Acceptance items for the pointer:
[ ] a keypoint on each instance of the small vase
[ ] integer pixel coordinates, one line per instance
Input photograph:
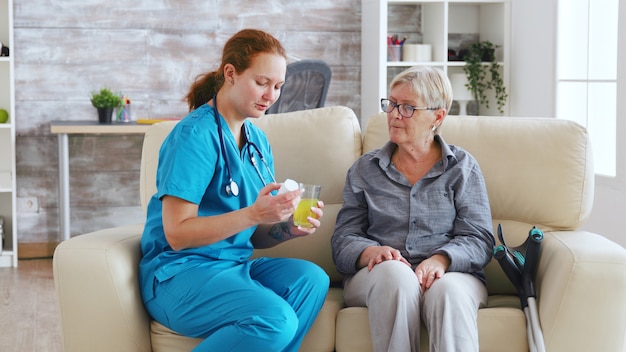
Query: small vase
(105, 115)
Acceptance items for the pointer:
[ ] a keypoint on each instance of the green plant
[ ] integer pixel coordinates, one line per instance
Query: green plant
(481, 76)
(4, 115)
(105, 99)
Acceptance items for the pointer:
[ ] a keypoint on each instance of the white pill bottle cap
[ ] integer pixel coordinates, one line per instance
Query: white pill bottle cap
(288, 186)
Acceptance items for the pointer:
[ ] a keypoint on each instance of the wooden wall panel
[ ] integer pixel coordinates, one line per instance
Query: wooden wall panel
(151, 50)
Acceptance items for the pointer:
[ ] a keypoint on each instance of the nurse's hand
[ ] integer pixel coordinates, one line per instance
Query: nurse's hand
(315, 222)
(269, 209)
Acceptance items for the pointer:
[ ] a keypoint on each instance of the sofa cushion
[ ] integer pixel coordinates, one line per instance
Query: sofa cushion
(499, 328)
(164, 339)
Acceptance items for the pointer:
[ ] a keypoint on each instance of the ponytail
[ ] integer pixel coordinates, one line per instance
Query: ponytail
(204, 88)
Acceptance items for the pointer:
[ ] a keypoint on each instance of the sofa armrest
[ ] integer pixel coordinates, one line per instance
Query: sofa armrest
(95, 277)
(581, 282)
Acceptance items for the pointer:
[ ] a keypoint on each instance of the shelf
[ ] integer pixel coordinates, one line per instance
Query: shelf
(443, 24)
(409, 2)
(413, 63)
(6, 184)
(432, 63)
(8, 211)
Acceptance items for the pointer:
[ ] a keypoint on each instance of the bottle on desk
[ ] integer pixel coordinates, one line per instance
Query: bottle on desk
(124, 113)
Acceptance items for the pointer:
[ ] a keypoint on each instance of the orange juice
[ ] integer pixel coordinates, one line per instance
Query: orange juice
(303, 211)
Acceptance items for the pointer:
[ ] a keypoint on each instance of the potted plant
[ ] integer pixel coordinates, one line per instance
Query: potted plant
(105, 102)
(483, 73)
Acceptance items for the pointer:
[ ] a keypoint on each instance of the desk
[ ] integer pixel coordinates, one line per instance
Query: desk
(65, 128)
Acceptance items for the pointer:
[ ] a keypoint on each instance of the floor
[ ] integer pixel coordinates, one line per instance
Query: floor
(29, 313)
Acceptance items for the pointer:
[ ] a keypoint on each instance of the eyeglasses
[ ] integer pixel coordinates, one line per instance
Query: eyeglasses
(405, 110)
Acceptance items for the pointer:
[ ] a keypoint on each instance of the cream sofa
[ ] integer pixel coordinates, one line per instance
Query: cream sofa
(538, 172)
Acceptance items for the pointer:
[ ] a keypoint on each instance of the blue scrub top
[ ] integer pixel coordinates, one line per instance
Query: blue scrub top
(192, 167)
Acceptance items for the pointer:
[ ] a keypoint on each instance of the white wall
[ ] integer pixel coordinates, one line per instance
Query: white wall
(532, 92)
(609, 209)
(533, 52)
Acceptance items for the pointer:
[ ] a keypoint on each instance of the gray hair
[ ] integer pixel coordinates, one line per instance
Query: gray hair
(430, 83)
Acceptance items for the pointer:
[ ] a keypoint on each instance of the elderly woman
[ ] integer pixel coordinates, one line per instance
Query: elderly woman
(415, 230)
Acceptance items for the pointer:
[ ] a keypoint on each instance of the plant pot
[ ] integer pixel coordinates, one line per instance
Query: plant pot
(105, 115)
(489, 55)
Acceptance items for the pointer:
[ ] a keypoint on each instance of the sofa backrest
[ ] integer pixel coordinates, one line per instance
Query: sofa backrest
(314, 146)
(152, 141)
(538, 171)
(310, 146)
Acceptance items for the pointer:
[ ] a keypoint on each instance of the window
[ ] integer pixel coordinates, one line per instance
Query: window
(587, 73)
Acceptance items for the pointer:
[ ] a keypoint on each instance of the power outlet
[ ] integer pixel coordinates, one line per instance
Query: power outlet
(27, 205)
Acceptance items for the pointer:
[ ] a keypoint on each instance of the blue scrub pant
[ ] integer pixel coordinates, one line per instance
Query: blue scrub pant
(265, 304)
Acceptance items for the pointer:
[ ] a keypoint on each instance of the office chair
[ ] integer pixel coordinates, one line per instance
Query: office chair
(306, 87)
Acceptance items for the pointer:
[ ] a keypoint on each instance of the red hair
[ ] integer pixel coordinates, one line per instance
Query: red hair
(238, 51)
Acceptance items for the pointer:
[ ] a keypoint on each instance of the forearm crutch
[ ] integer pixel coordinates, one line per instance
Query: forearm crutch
(520, 266)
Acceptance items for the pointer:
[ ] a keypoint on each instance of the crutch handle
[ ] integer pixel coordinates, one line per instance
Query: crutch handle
(509, 267)
(533, 248)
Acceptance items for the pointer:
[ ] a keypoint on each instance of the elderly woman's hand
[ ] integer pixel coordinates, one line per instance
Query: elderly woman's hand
(431, 269)
(377, 254)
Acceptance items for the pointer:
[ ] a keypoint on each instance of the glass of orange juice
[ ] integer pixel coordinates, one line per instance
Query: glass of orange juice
(308, 199)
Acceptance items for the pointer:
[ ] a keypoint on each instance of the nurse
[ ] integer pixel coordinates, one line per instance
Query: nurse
(215, 203)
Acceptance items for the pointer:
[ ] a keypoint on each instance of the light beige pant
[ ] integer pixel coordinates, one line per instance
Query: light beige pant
(392, 294)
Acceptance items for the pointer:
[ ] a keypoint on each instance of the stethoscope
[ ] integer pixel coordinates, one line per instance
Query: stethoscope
(232, 188)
